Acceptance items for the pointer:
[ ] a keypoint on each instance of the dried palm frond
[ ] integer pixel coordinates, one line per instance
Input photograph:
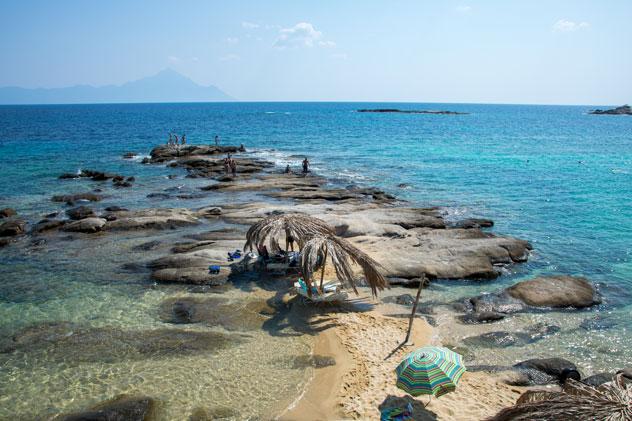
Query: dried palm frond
(577, 401)
(273, 228)
(342, 255)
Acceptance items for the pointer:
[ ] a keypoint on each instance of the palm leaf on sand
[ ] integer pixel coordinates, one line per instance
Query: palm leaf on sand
(276, 227)
(577, 402)
(342, 255)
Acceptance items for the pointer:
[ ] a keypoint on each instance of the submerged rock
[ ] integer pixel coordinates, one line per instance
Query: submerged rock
(503, 339)
(120, 408)
(75, 344)
(214, 311)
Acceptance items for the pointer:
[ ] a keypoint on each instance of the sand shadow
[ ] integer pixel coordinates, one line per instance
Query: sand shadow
(419, 412)
(297, 316)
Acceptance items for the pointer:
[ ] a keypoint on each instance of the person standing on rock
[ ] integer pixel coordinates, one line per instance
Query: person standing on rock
(233, 167)
(183, 141)
(305, 165)
(216, 140)
(227, 164)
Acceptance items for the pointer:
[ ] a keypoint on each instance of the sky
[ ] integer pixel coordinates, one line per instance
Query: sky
(477, 51)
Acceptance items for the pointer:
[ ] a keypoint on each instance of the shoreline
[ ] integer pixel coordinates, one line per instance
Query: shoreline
(369, 218)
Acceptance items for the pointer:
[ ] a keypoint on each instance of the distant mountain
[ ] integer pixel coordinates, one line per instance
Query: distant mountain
(166, 86)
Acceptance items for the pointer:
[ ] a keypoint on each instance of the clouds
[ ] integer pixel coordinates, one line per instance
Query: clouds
(565, 25)
(250, 25)
(303, 34)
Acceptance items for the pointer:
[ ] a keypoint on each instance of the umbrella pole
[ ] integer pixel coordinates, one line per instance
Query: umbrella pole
(322, 274)
(412, 314)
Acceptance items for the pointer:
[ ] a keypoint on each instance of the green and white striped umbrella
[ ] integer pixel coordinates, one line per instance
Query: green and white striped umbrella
(430, 370)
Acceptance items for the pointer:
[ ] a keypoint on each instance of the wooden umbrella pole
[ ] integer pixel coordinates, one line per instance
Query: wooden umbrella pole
(412, 315)
(322, 274)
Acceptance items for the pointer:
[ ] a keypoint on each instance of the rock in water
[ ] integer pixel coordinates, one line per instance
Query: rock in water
(7, 212)
(12, 228)
(72, 198)
(80, 212)
(556, 291)
(87, 225)
(623, 110)
(121, 408)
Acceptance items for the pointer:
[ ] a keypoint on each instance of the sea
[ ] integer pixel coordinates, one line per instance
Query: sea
(556, 176)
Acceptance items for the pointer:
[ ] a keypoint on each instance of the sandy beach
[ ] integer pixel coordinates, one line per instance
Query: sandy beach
(365, 348)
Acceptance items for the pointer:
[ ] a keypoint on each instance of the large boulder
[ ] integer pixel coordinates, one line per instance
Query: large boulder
(556, 291)
(120, 408)
(7, 212)
(87, 225)
(12, 228)
(80, 212)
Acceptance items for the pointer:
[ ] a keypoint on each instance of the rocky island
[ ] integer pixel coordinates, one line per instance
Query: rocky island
(623, 110)
(396, 110)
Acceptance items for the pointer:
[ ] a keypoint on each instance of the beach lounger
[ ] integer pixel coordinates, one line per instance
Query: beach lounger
(331, 292)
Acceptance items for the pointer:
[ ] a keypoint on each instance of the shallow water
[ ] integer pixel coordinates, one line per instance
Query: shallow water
(555, 176)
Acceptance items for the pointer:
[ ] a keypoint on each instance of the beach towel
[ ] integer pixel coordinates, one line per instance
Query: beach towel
(397, 414)
(214, 269)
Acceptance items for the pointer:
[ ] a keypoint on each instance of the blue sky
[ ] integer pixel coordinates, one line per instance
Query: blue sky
(544, 52)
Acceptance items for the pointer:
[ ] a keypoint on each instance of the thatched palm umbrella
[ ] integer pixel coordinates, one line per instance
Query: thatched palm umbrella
(298, 226)
(577, 402)
(342, 254)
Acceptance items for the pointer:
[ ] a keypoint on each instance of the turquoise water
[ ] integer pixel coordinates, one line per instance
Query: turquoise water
(553, 175)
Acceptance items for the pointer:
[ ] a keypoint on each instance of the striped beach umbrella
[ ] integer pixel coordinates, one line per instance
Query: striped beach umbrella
(430, 370)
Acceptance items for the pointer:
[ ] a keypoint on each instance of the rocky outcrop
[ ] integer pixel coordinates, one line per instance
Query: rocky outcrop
(80, 212)
(396, 110)
(474, 223)
(48, 224)
(167, 153)
(87, 225)
(623, 110)
(543, 292)
(122, 407)
(556, 292)
(77, 197)
(205, 167)
(158, 219)
(12, 228)
(443, 253)
(7, 212)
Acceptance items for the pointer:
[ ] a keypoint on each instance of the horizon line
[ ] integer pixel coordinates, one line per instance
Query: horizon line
(306, 102)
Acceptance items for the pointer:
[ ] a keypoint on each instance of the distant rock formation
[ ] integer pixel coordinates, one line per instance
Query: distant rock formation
(395, 110)
(623, 110)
